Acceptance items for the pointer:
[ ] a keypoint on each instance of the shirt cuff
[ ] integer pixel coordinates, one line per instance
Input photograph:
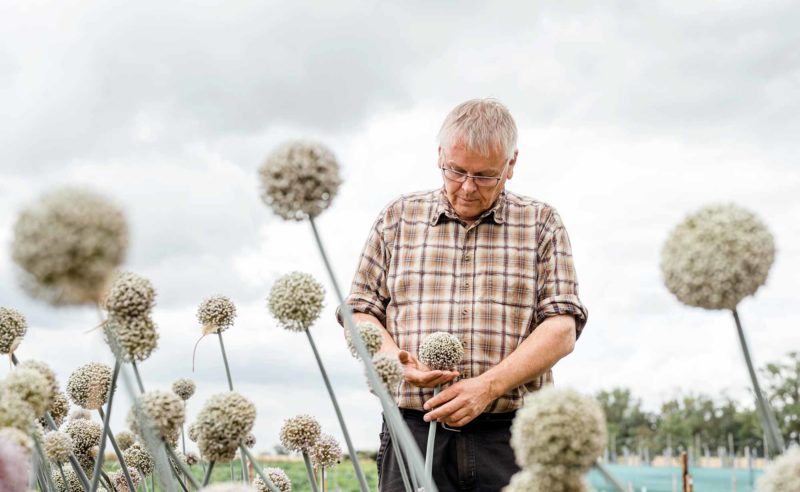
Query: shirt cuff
(564, 304)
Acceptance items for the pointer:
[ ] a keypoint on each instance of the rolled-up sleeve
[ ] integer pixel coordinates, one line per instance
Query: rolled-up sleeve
(368, 292)
(557, 282)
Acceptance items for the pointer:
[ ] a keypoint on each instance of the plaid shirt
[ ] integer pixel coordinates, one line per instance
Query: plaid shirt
(490, 284)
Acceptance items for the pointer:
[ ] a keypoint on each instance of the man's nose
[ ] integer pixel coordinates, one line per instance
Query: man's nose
(469, 185)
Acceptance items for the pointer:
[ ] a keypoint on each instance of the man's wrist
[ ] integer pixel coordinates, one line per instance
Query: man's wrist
(494, 386)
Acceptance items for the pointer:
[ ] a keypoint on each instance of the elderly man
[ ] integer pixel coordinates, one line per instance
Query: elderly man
(489, 266)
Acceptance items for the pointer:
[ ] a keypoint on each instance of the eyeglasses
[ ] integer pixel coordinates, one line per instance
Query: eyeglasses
(480, 181)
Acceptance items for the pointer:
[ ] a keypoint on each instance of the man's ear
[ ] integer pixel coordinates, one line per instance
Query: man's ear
(511, 164)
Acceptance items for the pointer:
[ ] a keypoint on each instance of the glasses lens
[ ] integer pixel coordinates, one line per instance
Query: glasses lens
(485, 181)
(454, 175)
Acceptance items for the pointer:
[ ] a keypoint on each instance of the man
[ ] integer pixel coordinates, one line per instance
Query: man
(489, 266)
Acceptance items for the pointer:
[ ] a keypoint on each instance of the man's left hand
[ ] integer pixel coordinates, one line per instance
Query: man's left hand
(459, 404)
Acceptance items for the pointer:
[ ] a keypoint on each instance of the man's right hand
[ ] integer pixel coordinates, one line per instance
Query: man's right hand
(420, 375)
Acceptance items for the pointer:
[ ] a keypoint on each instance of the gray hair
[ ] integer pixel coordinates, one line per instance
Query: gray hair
(482, 125)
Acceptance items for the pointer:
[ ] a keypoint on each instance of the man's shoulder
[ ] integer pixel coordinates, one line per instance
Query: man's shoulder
(531, 207)
(413, 203)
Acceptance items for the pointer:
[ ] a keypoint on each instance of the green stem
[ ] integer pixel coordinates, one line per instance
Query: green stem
(774, 436)
(183, 468)
(245, 477)
(143, 479)
(138, 376)
(98, 462)
(310, 470)
(350, 448)
(610, 478)
(118, 452)
(431, 440)
(401, 463)
(259, 471)
(208, 472)
(405, 439)
(225, 360)
(63, 476)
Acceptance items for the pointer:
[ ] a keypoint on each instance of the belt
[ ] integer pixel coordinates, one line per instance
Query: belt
(481, 421)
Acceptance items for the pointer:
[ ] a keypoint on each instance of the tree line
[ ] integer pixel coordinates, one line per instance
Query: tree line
(704, 424)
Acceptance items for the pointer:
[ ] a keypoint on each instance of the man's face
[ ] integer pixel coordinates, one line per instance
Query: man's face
(468, 199)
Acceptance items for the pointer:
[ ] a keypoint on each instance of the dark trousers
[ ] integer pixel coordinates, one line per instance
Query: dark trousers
(478, 458)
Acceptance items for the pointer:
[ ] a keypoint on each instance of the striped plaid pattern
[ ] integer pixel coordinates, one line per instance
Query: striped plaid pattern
(490, 284)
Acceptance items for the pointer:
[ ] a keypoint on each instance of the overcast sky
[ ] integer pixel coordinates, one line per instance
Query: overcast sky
(631, 115)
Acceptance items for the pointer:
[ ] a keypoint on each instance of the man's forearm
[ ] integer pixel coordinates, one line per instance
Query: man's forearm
(388, 346)
(553, 339)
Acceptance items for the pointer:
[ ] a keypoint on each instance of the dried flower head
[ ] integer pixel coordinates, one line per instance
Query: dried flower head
(192, 458)
(130, 296)
(45, 371)
(279, 479)
(783, 474)
(326, 452)
(85, 435)
(125, 439)
(559, 427)
(121, 484)
(249, 440)
(10, 434)
(162, 411)
(217, 313)
(12, 329)
(538, 478)
(717, 256)
(184, 388)
(299, 180)
(32, 387)
(138, 457)
(14, 412)
(72, 484)
(68, 244)
(371, 335)
(389, 370)
(223, 422)
(441, 351)
(300, 433)
(191, 432)
(295, 301)
(15, 465)
(58, 446)
(131, 339)
(88, 385)
(80, 414)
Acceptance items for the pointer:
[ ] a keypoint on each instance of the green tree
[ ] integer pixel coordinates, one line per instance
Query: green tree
(783, 391)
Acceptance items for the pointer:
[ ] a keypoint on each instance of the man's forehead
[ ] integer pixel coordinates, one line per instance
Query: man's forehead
(458, 155)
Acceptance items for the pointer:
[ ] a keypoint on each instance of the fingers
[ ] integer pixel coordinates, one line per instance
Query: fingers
(446, 377)
(422, 379)
(443, 412)
(462, 421)
(457, 416)
(403, 356)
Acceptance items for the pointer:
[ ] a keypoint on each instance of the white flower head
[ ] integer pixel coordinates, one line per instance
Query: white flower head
(222, 424)
(131, 339)
(30, 385)
(12, 329)
(299, 180)
(717, 256)
(389, 370)
(326, 452)
(89, 384)
(130, 296)
(441, 351)
(300, 433)
(279, 479)
(184, 388)
(58, 446)
(558, 427)
(371, 335)
(296, 301)
(68, 244)
(162, 411)
(783, 474)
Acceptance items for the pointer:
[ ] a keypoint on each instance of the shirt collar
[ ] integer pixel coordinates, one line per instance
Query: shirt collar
(444, 209)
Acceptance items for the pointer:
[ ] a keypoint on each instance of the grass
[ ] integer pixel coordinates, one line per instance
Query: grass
(340, 478)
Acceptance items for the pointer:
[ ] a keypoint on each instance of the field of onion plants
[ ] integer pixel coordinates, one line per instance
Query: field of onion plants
(70, 246)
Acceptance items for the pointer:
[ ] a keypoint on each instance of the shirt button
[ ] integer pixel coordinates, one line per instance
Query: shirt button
(466, 284)
(467, 257)
(465, 311)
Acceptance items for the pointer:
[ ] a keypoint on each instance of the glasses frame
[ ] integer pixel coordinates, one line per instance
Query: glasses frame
(475, 179)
